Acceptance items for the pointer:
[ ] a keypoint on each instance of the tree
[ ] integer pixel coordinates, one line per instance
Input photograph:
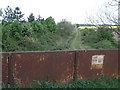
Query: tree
(110, 15)
(18, 14)
(36, 26)
(51, 25)
(1, 12)
(0, 15)
(16, 29)
(31, 18)
(119, 13)
(116, 8)
(40, 19)
(12, 15)
(26, 29)
(8, 17)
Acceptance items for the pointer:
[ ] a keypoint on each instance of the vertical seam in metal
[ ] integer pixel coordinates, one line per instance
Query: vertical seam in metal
(10, 70)
(75, 66)
(8, 58)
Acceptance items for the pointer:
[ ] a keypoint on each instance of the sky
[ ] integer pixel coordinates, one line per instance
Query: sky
(75, 11)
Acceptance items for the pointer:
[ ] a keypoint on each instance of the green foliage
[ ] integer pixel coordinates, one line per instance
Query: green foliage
(33, 36)
(104, 34)
(40, 34)
(77, 25)
(16, 30)
(99, 39)
(48, 24)
(65, 28)
(89, 36)
(98, 83)
(37, 27)
(26, 30)
(104, 44)
(51, 25)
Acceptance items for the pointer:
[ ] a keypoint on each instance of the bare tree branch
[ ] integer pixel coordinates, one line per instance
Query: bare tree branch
(109, 15)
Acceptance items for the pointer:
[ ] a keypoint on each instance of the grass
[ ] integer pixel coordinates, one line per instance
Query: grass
(98, 83)
(77, 43)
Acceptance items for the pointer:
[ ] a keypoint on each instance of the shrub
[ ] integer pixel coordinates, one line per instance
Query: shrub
(36, 26)
(50, 23)
(65, 28)
(16, 29)
(100, 39)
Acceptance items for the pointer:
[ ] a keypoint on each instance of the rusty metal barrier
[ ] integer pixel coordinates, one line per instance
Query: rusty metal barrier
(96, 63)
(45, 66)
(5, 68)
(23, 68)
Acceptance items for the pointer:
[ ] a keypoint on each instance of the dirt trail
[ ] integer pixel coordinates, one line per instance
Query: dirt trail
(76, 42)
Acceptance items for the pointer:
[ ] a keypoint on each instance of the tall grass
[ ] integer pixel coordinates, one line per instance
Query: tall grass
(98, 83)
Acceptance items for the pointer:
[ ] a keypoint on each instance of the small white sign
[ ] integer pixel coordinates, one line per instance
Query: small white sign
(97, 59)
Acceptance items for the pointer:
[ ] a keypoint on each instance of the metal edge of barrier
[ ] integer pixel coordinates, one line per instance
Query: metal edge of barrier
(119, 64)
(0, 71)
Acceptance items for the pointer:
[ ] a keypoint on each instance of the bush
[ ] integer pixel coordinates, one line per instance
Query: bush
(104, 34)
(26, 30)
(16, 29)
(51, 25)
(65, 28)
(100, 39)
(104, 44)
(98, 83)
(36, 26)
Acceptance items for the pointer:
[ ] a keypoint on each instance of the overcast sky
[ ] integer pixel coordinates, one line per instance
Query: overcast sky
(75, 11)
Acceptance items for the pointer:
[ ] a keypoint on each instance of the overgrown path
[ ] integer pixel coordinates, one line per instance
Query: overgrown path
(76, 43)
